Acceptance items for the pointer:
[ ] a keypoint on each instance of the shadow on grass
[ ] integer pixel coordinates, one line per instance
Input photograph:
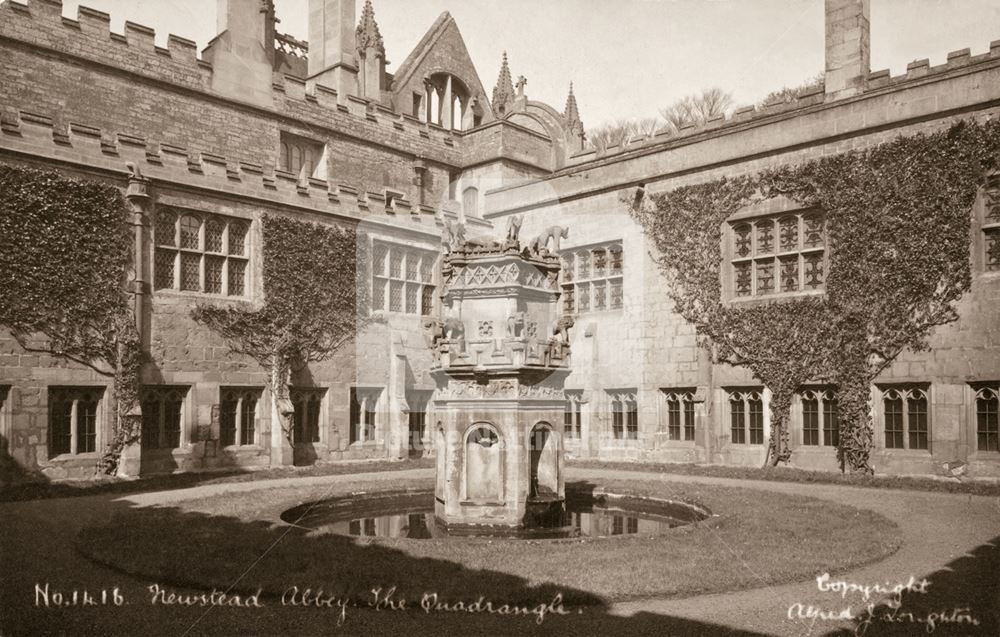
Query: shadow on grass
(196, 551)
(962, 598)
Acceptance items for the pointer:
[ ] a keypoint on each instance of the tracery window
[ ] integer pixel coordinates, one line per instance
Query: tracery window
(820, 421)
(746, 417)
(624, 414)
(73, 419)
(402, 279)
(905, 417)
(238, 416)
(680, 413)
(572, 414)
(162, 409)
(592, 278)
(200, 252)
(779, 254)
(307, 403)
(987, 424)
(989, 224)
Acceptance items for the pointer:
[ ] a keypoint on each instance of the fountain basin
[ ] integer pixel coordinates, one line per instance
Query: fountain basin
(585, 513)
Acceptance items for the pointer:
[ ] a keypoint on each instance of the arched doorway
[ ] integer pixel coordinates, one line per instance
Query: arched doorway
(543, 458)
(483, 463)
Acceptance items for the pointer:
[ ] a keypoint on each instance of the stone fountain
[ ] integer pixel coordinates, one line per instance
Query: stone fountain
(501, 354)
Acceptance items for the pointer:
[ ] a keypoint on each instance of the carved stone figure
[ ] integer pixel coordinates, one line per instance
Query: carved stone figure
(560, 329)
(515, 325)
(474, 244)
(452, 236)
(513, 228)
(447, 238)
(541, 242)
(433, 332)
(454, 329)
(133, 170)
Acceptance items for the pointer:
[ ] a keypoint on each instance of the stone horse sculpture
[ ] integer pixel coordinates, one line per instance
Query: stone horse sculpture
(541, 242)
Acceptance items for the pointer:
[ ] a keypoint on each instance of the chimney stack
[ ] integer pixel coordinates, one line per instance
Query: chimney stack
(332, 48)
(848, 47)
(242, 53)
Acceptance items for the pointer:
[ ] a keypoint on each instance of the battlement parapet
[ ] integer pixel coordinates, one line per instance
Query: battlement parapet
(88, 37)
(41, 137)
(809, 96)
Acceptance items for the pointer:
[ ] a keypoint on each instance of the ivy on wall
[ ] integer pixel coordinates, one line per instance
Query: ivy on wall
(65, 257)
(315, 299)
(898, 233)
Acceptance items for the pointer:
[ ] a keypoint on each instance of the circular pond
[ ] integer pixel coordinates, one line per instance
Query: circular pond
(411, 515)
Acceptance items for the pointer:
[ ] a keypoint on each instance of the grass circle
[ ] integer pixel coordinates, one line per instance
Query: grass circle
(237, 540)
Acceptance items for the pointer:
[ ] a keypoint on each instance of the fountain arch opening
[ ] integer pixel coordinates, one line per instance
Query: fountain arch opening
(483, 463)
(543, 458)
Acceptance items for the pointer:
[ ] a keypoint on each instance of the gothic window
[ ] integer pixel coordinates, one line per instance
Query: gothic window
(300, 156)
(990, 224)
(73, 419)
(746, 417)
(680, 413)
(162, 409)
(306, 403)
(200, 252)
(904, 411)
(363, 410)
(572, 414)
(779, 254)
(820, 424)
(402, 279)
(624, 415)
(987, 424)
(238, 416)
(992, 243)
(592, 279)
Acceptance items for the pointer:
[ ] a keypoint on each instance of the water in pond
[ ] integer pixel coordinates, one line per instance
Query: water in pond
(412, 516)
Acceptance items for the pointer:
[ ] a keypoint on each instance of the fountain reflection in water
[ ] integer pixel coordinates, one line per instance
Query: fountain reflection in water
(412, 517)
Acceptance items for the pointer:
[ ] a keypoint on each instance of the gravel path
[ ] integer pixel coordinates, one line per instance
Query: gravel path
(951, 540)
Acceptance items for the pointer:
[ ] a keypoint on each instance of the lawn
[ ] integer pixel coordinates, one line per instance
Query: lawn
(795, 474)
(759, 538)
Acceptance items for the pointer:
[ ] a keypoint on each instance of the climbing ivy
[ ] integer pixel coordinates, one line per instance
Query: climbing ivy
(315, 299)
(65, 259)
(897, 219)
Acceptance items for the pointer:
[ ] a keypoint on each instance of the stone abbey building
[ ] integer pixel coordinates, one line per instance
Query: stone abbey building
(261, 123)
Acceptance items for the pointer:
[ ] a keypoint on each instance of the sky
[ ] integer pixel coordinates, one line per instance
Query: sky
(626, 58)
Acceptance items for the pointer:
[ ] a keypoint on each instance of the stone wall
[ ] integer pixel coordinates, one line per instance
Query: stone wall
(649, 347)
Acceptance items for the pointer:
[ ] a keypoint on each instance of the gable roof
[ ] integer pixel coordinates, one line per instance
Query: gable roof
(402, 74)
